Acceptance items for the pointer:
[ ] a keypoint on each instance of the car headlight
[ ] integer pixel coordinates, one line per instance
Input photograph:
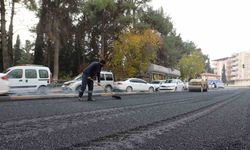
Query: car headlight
(67, 83)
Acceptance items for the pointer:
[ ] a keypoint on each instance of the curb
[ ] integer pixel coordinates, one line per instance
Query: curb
(62, 96)
(33, 97)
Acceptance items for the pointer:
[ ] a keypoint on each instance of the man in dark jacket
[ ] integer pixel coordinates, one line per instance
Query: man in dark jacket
(88, 75)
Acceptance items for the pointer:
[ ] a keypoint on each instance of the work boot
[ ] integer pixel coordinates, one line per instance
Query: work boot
(80, 96)
(90, 97)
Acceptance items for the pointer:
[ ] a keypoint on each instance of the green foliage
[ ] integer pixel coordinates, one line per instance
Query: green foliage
(26, 55)
(92, 29)
(223, 75)
(30, 4)
(192, 65)
(207, 64)
(133, 52)
(156, 20)
(172, 46)
(17, 51)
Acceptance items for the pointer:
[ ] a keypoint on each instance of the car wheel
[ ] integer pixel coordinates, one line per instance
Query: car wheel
(151, 90)
(42, 90)
(175, 89)
(108, 88)
(129, 89)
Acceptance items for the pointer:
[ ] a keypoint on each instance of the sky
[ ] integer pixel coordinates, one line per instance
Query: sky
(23, 21)
(219, 27)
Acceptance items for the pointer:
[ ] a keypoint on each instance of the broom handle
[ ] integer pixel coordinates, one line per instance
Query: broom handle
(99, 85)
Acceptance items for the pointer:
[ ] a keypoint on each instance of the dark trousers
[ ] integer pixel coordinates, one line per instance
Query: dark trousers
(85, 82)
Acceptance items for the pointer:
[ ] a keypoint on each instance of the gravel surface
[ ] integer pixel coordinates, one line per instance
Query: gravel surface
(216, 119)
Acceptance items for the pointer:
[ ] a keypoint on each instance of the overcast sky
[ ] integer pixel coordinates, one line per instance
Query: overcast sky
(218, 27)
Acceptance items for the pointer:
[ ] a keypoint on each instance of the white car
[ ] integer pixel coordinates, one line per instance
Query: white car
(172, 85)
(133, 84)
(29, 78)
(106, 78)
(4, 84)
(220, 85)
(157, 83)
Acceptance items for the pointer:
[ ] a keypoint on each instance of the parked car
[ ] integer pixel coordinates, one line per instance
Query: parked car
(185, 85)
(215, 84)
(220, 85)
(198, 85)
(4, 84)
(172, 85)
(107, 83)
(157, 83)
(29, 78)
(134, 84)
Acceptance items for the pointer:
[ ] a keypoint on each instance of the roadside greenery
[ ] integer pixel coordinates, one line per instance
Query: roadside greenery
(133, 52)
(223, 74)
(129, 34)
(192, 65)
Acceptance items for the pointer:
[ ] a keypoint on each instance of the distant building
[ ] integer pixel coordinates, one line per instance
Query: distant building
(218, 66)
(237, 68)
(156, 72)
(210, 76)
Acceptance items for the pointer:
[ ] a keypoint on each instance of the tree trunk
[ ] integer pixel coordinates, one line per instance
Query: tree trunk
(10, 37)
(56, 59)
(38, 56)
(56, 39)
(6, 60)
(1, 52)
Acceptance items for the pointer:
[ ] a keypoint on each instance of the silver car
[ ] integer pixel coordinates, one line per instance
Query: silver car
(107, 82)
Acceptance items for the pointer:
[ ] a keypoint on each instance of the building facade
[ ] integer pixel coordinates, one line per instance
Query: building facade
(156, 72)
(237, 68)
(218, 66)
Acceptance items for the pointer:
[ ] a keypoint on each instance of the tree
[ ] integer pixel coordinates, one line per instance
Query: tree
(10, 34)
(208, 68)
(192, 65)
(17, 51)
(223, 74)
(54, 31)
(26, 55)
(133, 52)
(172, 46)
(5, 54)
(104, 20)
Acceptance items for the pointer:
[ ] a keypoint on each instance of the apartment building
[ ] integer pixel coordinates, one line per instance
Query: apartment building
(218, 66)
(237, 68)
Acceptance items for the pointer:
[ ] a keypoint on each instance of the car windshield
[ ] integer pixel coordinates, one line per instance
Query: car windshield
(79, 77)
(125, 79)
(155, 82)
(169, 81)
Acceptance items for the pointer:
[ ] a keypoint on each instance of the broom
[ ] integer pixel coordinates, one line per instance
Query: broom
(110, 94)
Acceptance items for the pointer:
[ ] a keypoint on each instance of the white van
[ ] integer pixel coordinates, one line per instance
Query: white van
(29, 78)
(107, 83)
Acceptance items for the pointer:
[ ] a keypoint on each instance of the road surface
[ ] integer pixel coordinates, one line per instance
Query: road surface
(214, 120)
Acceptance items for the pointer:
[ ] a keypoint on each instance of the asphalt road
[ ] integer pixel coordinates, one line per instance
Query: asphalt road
(214, 120)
